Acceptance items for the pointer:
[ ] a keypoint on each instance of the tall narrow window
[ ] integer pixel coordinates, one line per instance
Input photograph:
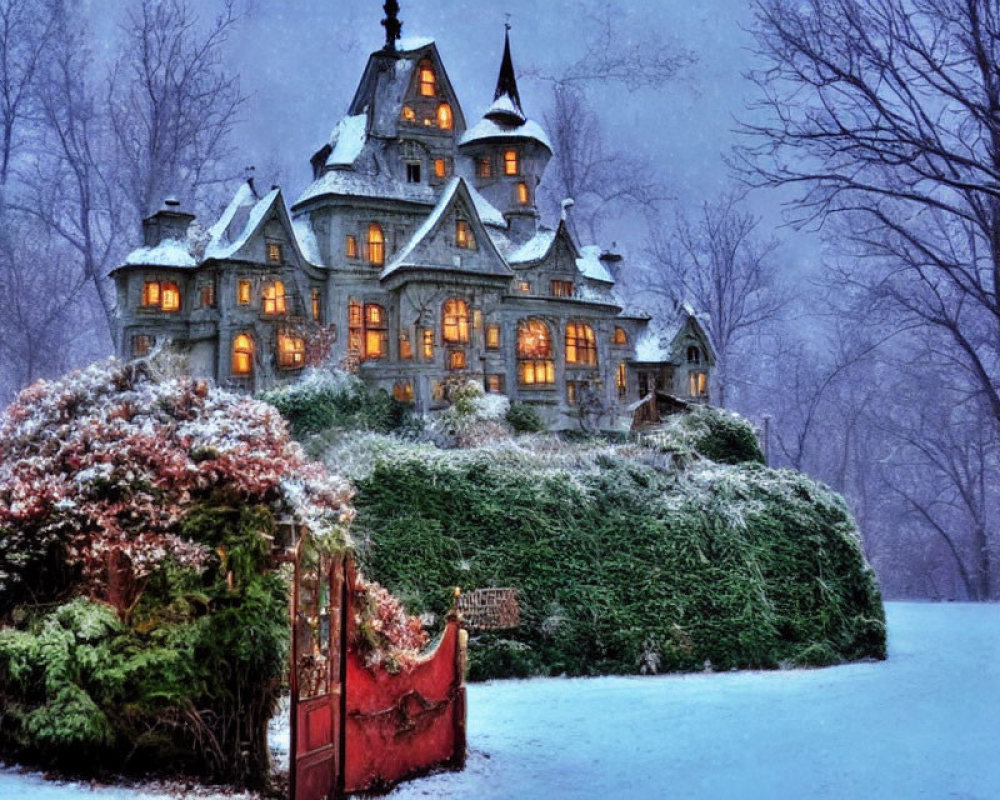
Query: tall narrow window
(207, 295)
(317, 309)
(570, 393)
(274, 298)
(492, 337)
(274, 253)
(351, 246)
(243, 293)
(428, 82)
(354, 327)
(440, 168)
(464, 237)
(455, 322)
(170, 296)
(151, 293)
(405, 347)
(376, 332)
(484, 167)
(413, 172)
(428, 345)
(534, 353)
(562, 288)
(523, 194)
(444, 117)
(581, 345)
(291, 351)
(242, 355)
(621, 381)
(376, 245)
(698, 384)
(510, 163)
(620, 336)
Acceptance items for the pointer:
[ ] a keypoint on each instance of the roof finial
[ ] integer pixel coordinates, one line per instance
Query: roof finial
(507, 81)
(392, 25)
(507, 23)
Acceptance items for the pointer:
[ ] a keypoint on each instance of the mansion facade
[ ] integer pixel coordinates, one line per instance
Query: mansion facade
(417, 255)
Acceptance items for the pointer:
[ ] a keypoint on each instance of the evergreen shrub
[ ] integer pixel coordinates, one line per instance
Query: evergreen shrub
(524, 418)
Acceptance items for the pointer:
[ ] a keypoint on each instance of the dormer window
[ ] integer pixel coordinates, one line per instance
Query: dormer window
(464, 237)
(484, 167)
(523, 194)
(510, 163)
(409, 115)
(413, 172)
(428, 82)
(273, 253)
(444, 117)
(376, 245)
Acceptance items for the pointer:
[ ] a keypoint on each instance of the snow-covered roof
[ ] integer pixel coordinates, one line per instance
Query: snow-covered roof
(487, 212)
(656, 344)
(306, 237)
(490, 129)
(535, 249)
(408, 44)
(168, 253)
(425, 229)
(228, 235)
(591, 266)
(361, 184)
(347, 141)
(505, 106)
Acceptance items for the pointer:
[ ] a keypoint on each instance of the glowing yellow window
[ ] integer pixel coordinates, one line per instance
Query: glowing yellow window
(376, 245)
(620, 336)
(409, 114)
(429, 345)
(274, 253)
(354, 327)
(581, 344)
(455, 322)
(698, 384)
(534, 353)
(291, 351)
(402, 392)
(440, 168)
(376, 333)
(151, 293)
(428, 82)
(243, 293)
(316, 304)
(351, 246)
(523, 286)
(444, 118)
(510, 163)
(274, 298)
(405, 347)
(562, 288)
(170, 296)
(621, 380)
(492, 337)
(456, 359)
(523, 195)
(242, 355)
(494, 384)
(464, 237)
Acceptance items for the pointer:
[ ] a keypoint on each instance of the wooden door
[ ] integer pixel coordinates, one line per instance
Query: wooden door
(317, 680)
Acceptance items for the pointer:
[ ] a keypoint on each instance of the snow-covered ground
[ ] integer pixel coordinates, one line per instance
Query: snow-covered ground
(924, 724)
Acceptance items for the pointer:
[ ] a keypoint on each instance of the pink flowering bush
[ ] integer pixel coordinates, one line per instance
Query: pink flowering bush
(391, 638)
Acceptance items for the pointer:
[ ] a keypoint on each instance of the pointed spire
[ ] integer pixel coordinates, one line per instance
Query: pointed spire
(506, 100)
(393, 27)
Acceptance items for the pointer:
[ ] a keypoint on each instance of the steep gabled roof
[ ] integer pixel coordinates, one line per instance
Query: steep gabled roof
(420, 253)
(659, 342)
(539, 246)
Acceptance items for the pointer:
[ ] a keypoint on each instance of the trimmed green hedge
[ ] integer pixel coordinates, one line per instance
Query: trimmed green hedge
(627, 568)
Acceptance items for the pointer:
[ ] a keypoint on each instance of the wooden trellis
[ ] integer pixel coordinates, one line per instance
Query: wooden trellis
(490, 609)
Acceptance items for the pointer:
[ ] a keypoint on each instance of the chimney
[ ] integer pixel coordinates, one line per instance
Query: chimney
(169, 222)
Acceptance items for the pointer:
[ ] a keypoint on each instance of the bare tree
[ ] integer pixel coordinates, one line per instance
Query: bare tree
(886, 111)
(719, 262)
(172, 104)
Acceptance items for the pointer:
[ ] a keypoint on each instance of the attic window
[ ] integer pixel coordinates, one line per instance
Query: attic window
(243, 293)
(464, 237)
(376, 245)
(291, 351)
(562, 288)
(444, 118)
(455, 321)
(413, 172)
(428, 82)
(351, 246)
(484, 167)
(274, 298)
(693, 356)
(523, 194)
(440, 168)
(242, 355)
(510, 163)
(273, 253)
(620, 336)
(581, 345)
(409, 114)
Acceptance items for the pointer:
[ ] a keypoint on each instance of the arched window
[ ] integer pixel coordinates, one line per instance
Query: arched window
(376, 245)
(444, 117)
(581, 345)
(523, 194)
(510, 165)
(274, 298)
(694, 355)
(428, 81)
(291, 351)
(464, 237)
(243, 355)
(455, 322)
(620, 336)
(534, 353)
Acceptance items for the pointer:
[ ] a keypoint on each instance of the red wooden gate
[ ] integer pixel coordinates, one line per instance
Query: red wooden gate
(353, 727)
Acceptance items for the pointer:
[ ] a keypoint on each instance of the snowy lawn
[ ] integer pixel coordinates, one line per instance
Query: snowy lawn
(925, 724)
